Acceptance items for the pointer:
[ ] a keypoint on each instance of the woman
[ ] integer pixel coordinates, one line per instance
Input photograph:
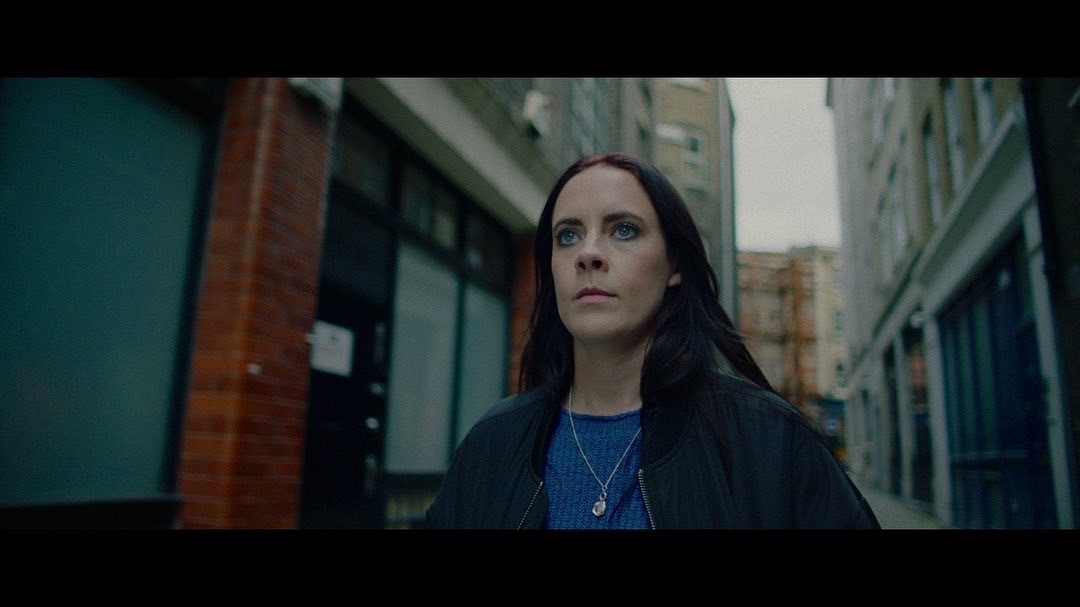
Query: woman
(642, 407)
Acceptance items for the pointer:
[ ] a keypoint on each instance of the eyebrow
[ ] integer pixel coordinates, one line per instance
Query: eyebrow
(609, 218)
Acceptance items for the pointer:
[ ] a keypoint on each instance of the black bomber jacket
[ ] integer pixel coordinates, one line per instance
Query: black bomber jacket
(770, 468)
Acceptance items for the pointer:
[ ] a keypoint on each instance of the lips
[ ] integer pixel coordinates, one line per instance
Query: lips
(592, 292)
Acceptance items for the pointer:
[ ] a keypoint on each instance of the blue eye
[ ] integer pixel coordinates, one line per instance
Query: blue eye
(625, 231)
(565, 237)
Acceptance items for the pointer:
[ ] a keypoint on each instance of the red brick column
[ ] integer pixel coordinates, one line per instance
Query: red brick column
(521, 305)
(247, 401)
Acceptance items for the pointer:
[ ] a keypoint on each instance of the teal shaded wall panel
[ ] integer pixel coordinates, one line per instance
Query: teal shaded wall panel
(99, 191)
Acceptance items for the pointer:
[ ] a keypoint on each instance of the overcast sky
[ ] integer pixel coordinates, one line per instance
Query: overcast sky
(785, 164)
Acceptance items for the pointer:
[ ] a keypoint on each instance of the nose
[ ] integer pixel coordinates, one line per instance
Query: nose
(591, 258)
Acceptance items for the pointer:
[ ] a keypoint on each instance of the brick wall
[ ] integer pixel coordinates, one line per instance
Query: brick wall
(521, 305)
(242, 448)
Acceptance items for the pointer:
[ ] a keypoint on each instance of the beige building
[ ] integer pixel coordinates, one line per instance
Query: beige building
(693, 129)
(791, 314)
(956, 395)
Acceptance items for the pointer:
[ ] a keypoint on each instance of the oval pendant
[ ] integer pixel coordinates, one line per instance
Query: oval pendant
(599, 507)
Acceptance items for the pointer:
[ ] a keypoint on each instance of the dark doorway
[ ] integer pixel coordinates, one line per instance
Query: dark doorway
(893, 416)
(922, 461)
(1000, 456)
(347, 395)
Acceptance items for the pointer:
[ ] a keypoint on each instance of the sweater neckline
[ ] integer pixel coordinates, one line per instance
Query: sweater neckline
(602, 418)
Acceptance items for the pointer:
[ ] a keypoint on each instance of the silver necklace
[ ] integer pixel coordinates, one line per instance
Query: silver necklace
(600, 506)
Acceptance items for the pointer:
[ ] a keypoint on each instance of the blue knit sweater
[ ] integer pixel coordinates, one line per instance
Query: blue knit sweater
(572, 490)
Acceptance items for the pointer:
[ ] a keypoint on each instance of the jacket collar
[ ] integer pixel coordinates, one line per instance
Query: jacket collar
(663, 425)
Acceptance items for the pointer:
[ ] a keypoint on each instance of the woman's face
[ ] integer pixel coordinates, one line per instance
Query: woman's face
(609, 260)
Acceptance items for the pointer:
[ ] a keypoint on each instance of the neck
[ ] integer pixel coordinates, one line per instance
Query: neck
(607, 381)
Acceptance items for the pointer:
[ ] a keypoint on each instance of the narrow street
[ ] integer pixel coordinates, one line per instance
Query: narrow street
(896, 513)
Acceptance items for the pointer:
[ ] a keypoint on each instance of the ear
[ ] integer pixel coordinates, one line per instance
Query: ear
(675, 279)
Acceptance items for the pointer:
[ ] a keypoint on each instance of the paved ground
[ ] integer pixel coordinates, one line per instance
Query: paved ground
(896, 513)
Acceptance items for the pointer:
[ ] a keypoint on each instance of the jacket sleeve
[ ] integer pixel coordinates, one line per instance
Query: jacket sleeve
(444, 512)
(464, 497)
(824, 495)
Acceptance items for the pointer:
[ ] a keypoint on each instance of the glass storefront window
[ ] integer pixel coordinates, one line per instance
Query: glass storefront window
(449, 341)
(484, 354)
(422, 365)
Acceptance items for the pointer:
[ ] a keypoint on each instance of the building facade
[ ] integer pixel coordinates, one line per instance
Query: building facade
(763, 311)
(1052, 107)
(269, 302)
(956, 389)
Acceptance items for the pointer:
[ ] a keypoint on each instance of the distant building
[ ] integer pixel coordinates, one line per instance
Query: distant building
(764, 312)
(957, 394)
(792, 315)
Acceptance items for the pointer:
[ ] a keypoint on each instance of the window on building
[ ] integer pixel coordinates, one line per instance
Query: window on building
(589, 115)
(885, 242)
(361, 160)
(889, 85)
(984, 108)
(694, 150)
(695, 161)
(933, 172)
(953, 134)
(428, 207)
(877, 111)
(888, 94)
(671, 133)
(485, 249)
(510, 92)
(644, 141)
(899, 219)
(693, 83)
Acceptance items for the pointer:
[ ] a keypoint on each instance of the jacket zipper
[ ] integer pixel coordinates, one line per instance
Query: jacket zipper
(531, 502)
(645, 496)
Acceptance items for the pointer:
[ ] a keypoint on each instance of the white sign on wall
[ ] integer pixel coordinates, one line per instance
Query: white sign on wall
(331, 349)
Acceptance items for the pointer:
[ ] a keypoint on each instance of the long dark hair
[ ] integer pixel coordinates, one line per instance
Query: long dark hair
(691, 327)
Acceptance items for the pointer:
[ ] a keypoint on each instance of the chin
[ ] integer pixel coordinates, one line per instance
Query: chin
(607, 336)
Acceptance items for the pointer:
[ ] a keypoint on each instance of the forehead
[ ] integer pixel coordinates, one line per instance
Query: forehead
(600, 190)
